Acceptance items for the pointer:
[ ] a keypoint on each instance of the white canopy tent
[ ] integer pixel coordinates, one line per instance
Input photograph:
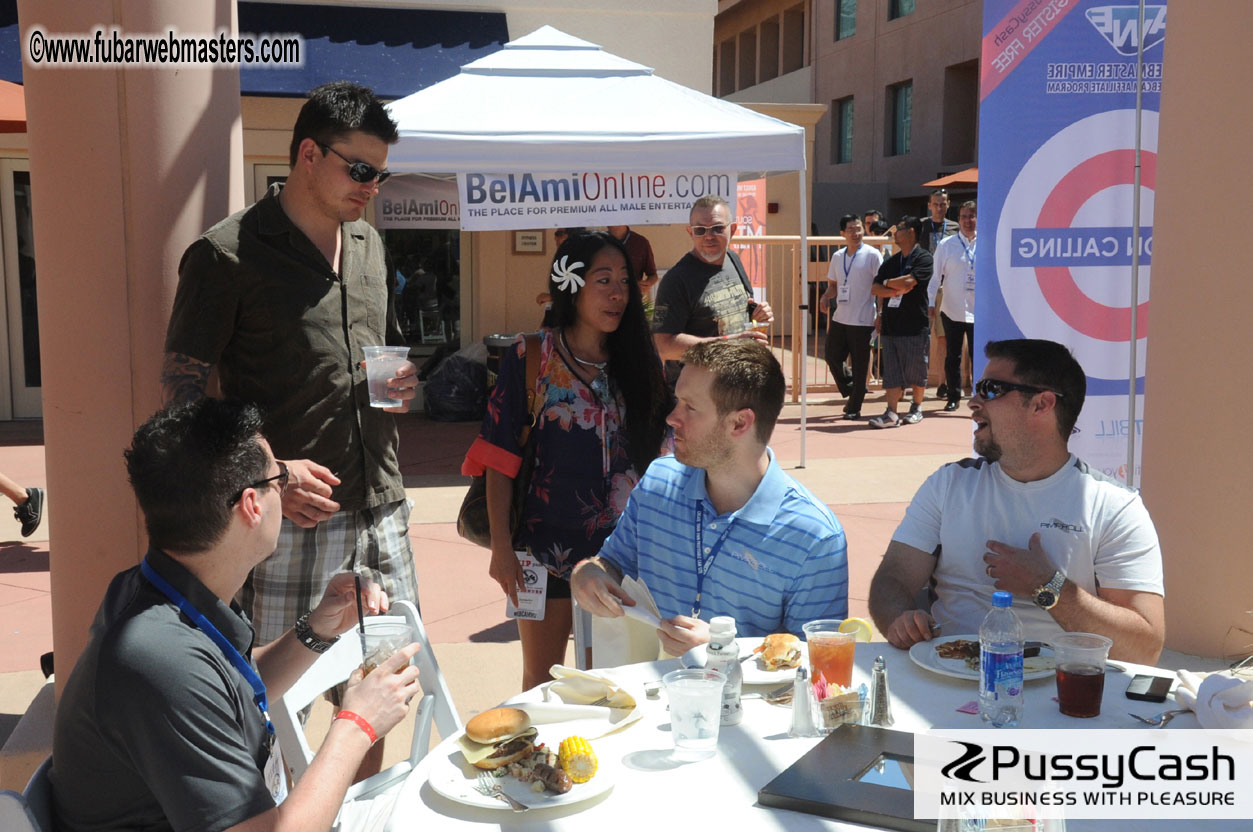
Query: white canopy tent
(549, 102)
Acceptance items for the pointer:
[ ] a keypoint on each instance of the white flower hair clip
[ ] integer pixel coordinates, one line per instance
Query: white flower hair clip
(564, 276)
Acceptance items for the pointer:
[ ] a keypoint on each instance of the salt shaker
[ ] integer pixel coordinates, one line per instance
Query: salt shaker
(880, 700)
(803, 706)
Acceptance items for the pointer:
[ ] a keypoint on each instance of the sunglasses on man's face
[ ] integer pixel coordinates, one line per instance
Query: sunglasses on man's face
(702, 230)
(359, 171)
(991, 388)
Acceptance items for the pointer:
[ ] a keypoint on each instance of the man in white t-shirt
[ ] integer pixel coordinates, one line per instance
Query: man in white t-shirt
(955, 272)
(1077, 549)
(849, 278)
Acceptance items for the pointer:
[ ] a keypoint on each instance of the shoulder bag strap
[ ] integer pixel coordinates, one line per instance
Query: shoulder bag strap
(533, 401)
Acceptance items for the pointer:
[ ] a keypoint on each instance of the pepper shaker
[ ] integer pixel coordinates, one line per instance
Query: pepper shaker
(880, 699)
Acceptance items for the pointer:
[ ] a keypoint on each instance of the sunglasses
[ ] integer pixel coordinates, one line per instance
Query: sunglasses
(281, 478)
(359, 171)
(702, 230)
(991, 388)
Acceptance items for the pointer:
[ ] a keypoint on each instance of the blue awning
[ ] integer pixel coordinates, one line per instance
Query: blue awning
(393, 51)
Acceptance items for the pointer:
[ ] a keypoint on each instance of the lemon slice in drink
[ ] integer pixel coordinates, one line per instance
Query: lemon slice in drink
(859, 627)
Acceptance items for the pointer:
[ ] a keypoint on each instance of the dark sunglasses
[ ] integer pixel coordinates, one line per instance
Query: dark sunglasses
(991, 388)
(359, 171)
(702, 230)
(281, 478)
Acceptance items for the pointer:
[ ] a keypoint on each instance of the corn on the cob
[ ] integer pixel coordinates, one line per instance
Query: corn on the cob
(577, 759)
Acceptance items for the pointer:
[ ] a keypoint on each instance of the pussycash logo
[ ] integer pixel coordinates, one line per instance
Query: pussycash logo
(1118, 24)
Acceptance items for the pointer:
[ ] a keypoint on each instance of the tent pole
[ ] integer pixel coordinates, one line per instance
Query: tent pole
(804, 307)
(1135, 259)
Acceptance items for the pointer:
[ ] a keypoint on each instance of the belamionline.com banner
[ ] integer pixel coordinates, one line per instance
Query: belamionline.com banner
(502, 201)
(1091, 774)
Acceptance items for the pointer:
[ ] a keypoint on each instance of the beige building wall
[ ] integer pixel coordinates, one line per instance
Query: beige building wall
(1196, 462)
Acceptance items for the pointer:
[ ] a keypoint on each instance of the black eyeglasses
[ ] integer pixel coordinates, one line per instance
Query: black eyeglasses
(359, 171)
(281, 478)
(992, 388)
(702, 230)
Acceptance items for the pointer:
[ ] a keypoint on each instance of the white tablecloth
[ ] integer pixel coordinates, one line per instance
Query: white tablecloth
(720, 794)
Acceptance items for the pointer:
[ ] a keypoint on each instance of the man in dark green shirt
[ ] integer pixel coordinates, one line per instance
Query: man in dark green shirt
(279, 299)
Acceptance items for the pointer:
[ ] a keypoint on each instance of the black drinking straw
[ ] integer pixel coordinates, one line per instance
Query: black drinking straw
(360, 614)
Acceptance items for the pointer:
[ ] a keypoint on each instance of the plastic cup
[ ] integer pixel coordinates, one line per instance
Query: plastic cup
(382, 640)
(695, 711)
(1080, 661)
(381, 364)
(830, 652)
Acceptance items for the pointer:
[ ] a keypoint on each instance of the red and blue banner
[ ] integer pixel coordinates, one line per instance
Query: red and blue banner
(1056, 180)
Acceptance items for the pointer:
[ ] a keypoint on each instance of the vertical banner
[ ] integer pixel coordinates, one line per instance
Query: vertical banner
(750, 216)
(1056, 181)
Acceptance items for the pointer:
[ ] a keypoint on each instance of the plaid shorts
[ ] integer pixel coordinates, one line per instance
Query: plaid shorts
(905, 359)
(292, 580)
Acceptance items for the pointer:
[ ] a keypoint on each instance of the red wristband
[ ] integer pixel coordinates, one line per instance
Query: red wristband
(361, 723)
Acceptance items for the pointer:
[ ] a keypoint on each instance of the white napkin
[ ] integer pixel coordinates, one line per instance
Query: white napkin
(1220, 700)
(570, 695)
(632, 638)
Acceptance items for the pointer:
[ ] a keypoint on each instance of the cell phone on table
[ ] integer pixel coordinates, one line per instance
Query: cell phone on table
(1149, 688)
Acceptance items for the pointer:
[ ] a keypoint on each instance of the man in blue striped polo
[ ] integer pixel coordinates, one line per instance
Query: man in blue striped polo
(719, 529)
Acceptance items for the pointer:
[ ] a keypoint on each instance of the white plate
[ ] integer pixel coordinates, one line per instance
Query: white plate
(924, 655)
(454, 778)
(755, 672)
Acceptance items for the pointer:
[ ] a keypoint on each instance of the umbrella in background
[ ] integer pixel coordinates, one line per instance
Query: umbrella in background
(12, 108)
(967, 178)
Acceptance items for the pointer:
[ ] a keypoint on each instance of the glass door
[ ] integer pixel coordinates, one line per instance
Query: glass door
(21, 397)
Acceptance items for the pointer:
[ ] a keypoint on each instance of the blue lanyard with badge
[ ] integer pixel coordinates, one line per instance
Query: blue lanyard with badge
(842, 294)
(968, 254)
(894, 302)
(705, 555)
(274, 779)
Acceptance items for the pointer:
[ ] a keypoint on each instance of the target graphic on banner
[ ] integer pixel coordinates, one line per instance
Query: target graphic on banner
(1064, 241)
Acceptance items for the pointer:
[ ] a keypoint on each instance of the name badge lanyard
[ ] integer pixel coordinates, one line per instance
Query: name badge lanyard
(968, 252)
(228, 649)
(705, 557)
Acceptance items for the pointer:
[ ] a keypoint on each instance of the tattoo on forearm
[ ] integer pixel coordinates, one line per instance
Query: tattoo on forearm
(183, 378)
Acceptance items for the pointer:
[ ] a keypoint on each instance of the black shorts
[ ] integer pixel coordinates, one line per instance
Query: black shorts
(558, 587)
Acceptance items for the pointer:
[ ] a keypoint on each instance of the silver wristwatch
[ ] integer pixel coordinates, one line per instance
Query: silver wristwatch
(1045, 597)
(305, 635)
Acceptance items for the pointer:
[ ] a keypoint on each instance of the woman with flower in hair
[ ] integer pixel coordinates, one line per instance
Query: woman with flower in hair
(602, 421)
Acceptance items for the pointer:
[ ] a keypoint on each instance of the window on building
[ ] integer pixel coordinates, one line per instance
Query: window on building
(726, 67)
(959, 140)
(842, 131)
(899, 8)
(748, 59)
(768, 51)
(793, 46)
(900, 114)
(845, 19)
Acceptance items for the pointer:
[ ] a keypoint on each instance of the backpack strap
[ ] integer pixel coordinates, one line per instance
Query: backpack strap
(533, 401)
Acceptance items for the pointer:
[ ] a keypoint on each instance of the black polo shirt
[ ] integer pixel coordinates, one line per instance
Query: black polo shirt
(910, 317)
(156, 729)
(258, 300)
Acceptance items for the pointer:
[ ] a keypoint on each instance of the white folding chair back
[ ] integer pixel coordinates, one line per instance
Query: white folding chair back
(336, 665)
(583, 659)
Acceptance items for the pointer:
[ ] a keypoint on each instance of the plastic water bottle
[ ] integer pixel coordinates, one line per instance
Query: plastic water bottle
(724, 654)
(1000, 664)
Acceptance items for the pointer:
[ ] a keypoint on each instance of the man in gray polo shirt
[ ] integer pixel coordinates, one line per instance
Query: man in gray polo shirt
(280, 298)
(160, 726)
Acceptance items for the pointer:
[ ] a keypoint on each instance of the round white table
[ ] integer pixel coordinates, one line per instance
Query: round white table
(653, 792)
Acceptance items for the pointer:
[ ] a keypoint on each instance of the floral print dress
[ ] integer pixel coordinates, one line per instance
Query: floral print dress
(583, 472)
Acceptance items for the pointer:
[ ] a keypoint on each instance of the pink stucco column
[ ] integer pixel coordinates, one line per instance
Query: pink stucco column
(127, 167)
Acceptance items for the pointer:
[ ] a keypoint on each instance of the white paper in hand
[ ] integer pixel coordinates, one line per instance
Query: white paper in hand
(639, 613)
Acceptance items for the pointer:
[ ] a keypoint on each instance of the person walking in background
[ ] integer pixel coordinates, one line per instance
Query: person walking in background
(902, 281)
(602, 421)
(955, 270)
(28, 504)
(849, 278)
(935, 229)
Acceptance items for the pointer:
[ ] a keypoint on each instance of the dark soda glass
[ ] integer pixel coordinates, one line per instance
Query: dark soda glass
(1079, 689)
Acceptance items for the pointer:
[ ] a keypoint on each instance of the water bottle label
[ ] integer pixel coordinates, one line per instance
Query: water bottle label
(1002, 673)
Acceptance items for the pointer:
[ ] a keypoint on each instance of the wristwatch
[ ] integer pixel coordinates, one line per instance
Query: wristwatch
(1046, 596)
(309, 638)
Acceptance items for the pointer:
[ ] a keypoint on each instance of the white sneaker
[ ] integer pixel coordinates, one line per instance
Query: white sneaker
(913, 417)
(889, 419)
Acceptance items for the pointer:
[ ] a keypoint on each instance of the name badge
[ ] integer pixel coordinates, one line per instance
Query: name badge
(970, 280)
(842, 294)
(532, 599)
(895, 302)
(275, 776)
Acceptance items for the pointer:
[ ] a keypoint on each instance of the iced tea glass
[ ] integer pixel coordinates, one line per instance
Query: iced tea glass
(382, 640)
(1080, 661)
(830, 652)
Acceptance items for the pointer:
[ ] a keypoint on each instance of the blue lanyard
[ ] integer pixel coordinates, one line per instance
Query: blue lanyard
(967, 252)
(705, 559)
(905, 263)
(206, 626)
(848, 264)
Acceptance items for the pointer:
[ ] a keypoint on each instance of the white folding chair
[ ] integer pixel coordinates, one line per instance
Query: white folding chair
(582, 637)
(30, 811)
(336, 665)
